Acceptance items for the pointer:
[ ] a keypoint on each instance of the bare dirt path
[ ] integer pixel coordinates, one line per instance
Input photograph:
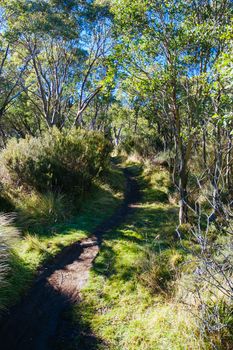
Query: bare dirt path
(33, 323)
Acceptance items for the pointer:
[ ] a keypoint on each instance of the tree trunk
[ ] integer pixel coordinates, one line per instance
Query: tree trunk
(204, 148)
(183, 180)
(228, 165)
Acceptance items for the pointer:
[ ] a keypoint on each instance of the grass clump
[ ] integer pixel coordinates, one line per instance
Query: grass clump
(38, 212)
(8, 235)
(158, 271)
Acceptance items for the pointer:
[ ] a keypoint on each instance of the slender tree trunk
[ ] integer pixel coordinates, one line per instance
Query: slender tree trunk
(216, 174)
(183, 180)
(136, 120)
(228, 165)
(204, 147)
(183, 154)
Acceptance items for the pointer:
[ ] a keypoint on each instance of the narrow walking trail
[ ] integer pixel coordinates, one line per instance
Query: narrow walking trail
(33, 323)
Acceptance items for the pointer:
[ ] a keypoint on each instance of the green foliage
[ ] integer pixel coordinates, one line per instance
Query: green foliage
(157, 77)
(56, 161)
(31, 17)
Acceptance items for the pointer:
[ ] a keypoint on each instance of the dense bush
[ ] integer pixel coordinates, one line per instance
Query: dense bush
(56, 161)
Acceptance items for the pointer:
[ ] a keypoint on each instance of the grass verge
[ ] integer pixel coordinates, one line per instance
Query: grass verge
(32, 250)
(130, 302)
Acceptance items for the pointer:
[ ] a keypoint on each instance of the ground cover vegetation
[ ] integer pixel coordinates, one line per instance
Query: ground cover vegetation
(151, 81)
(143, 280)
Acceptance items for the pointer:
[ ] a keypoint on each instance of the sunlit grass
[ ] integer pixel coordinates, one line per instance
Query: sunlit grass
(118, 304)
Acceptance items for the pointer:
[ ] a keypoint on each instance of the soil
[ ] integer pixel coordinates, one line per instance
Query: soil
(39, 321)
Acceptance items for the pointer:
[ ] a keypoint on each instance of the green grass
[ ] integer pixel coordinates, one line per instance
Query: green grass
(32, 250)
(133, 298)
(130, 302)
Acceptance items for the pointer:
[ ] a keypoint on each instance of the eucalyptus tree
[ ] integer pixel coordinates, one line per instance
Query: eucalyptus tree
(47, 32)
(96, 74)
(64, 45)
(12, 69)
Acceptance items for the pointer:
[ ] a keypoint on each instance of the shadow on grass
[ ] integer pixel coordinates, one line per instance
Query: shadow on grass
(151, 224)
(158, 221)
(39, 320)
(19, 275)
(6, 205)
(155, 195)
(146, 228)
(105, 263)
(76, 334)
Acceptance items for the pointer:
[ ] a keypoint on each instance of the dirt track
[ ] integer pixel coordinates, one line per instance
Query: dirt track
(36, 322)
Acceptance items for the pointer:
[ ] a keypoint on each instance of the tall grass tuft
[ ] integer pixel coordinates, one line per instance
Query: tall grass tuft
(8, 233)
(158, 270)
(40, 211)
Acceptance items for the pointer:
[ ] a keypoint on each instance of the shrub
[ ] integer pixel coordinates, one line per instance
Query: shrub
(56, 161)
